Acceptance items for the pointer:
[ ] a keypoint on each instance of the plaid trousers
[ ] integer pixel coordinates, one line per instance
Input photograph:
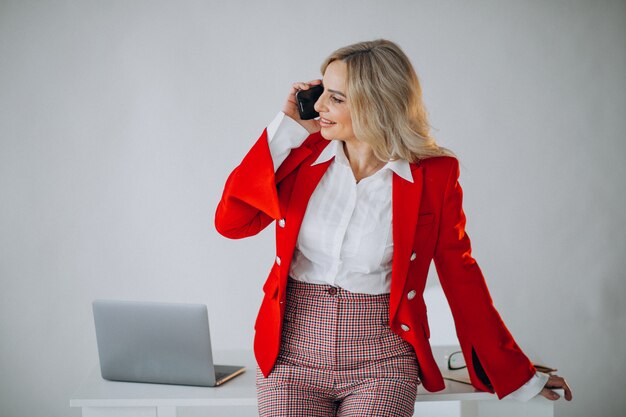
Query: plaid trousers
(338, 357)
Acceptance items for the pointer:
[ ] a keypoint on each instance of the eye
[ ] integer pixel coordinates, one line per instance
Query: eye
(336, 100)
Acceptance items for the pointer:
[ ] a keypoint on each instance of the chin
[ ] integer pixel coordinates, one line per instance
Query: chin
(326, 135)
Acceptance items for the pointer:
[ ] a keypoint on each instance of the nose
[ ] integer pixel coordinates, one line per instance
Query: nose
(320, 104)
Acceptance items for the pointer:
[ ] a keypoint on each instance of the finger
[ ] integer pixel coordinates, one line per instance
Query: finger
(300, 86)
(551, 395)
(556, 381)
(568, 392)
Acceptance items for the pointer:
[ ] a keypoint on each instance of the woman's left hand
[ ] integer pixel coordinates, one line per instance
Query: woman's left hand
(556, 381)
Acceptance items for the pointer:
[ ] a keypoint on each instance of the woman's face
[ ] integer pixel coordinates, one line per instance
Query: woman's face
(335, 119)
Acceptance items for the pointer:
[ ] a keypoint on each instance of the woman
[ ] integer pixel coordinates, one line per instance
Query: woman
(363, 200)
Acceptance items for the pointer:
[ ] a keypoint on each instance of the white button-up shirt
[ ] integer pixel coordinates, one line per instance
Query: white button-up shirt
(346, 238)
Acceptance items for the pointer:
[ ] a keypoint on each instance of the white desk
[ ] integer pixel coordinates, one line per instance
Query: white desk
(99, 398)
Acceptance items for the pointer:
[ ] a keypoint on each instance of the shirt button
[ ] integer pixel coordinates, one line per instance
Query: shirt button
(332, 291)
(281, 223)
(411, 294)
(413, 256)
(405, 327)
(278, 260)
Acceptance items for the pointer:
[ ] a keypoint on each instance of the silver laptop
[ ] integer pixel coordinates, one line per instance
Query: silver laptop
(164, 343)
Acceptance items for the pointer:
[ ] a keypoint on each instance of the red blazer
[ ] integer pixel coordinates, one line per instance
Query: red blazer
(428, 223)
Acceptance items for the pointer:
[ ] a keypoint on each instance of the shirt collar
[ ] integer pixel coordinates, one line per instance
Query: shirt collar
(335, 149)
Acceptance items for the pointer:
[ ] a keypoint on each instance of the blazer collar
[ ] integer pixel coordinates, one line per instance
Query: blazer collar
(335, 149)
(406, 199)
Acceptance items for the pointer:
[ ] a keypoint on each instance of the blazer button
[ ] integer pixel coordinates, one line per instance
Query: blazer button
(405, 327)
(278, 260)
(411, 294)
(281, 223)
(413, 256)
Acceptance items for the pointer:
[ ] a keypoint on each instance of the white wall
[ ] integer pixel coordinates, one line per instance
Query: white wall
(120, 120)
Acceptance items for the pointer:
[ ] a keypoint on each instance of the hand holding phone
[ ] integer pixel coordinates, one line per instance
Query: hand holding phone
(306, 101)
(291, 107)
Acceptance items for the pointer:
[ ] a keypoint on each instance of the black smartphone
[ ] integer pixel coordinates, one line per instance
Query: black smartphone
(306, 100)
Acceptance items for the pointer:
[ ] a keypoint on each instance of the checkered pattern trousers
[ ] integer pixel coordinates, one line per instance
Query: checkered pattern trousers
(338, 357)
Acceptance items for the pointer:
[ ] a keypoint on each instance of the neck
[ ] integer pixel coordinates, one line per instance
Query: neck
(362, 159)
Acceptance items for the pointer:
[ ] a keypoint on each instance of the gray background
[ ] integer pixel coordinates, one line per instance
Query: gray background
(120, 120)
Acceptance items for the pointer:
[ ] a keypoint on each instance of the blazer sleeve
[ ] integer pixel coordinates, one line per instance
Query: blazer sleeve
(250, 198)
(494, 360)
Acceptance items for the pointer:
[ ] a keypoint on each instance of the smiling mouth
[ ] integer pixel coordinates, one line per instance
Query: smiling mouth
(326, 122)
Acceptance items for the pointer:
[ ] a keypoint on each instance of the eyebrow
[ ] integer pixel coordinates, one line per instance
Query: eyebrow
(337, 92)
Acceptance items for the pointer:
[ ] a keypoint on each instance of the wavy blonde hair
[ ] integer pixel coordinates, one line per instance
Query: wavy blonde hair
(385, 101)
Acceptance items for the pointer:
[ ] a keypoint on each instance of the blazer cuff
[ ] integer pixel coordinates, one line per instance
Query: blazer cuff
(531, 388)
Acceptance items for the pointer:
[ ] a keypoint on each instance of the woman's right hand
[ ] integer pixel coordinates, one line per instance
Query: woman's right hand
(291, 106)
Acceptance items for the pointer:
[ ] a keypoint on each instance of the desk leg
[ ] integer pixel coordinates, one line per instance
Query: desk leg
(536, 407)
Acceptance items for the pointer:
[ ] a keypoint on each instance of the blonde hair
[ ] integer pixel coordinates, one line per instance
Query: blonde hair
(385, 101)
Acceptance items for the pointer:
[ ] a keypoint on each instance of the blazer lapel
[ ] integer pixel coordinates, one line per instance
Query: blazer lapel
(299, 154)
(405, 201)
(305, 183)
